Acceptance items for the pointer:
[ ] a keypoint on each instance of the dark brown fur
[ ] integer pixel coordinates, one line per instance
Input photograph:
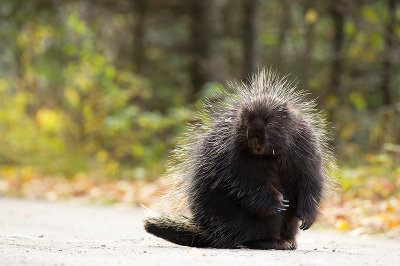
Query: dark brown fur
(254, 176)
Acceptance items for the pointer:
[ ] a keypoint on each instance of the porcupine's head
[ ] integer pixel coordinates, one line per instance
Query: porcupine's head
(265, 126)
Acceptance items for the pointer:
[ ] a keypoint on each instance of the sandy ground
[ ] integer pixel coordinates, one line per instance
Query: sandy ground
(44, 233)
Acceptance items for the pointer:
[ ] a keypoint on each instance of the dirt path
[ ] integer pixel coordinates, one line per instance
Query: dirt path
(43, 233)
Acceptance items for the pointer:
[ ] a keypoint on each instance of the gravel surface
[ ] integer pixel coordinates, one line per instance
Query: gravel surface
(60, 233)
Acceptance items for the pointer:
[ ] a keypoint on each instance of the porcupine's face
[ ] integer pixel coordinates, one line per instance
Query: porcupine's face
(265, 128)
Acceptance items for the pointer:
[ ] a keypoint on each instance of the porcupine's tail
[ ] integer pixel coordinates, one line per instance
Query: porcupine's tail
(177, 230)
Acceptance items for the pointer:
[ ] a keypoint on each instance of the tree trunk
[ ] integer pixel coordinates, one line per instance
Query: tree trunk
(140, 14)
(338, 39)
(387, 54)
(207, 56)
(250, 37)
(87, 10)
(309, 43)
(283, 29)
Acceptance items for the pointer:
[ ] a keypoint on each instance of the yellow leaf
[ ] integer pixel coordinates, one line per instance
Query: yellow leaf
(3, 85)
(72, 96)
(311, 16)
(342, 225)
(49, 120)
(102, 156)
(390, 220)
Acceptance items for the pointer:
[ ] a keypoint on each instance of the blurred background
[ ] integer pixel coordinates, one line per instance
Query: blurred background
(93, 94)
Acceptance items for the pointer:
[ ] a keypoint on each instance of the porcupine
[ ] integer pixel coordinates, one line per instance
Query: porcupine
(257, 165)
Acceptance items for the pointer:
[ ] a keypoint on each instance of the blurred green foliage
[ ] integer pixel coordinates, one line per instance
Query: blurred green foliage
(70, 109)
(72, 100)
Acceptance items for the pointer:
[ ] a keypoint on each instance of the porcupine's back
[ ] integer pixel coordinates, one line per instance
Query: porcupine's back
(216, 121)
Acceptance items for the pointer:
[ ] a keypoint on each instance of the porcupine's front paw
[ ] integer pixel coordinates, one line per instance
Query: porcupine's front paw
(277, 203)
(278, 206)
(282, 206)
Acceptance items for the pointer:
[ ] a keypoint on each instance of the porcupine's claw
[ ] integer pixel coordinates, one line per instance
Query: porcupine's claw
(280, 210)
(304, 226)
(283, 207)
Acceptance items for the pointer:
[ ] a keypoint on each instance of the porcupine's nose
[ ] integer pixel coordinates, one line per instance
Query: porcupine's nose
(256, 140)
